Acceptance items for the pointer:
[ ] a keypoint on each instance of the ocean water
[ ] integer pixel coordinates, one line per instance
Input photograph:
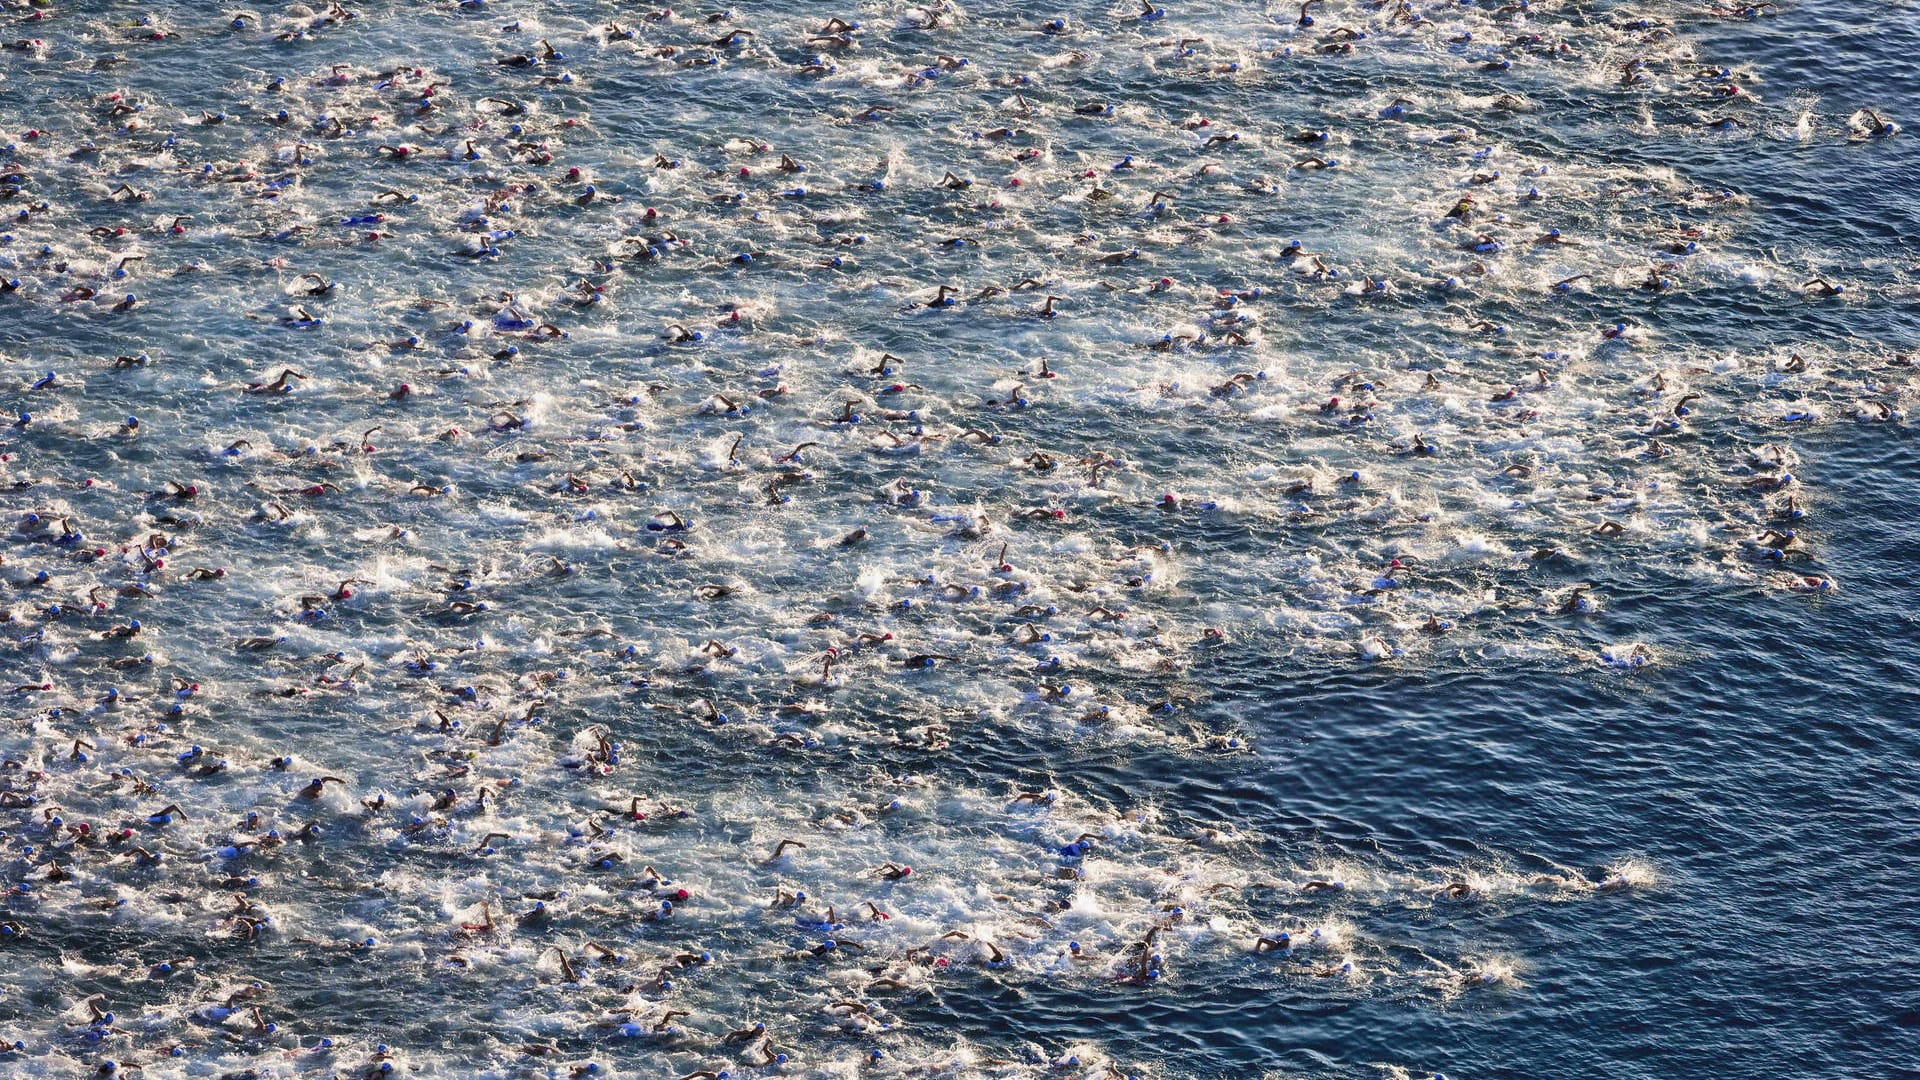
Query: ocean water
(1538, 659)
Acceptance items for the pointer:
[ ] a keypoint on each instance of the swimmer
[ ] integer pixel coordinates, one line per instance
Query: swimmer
(279, 385)
(1867, 124)
(1282, 944)
(1577, 602)
(315, 787)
